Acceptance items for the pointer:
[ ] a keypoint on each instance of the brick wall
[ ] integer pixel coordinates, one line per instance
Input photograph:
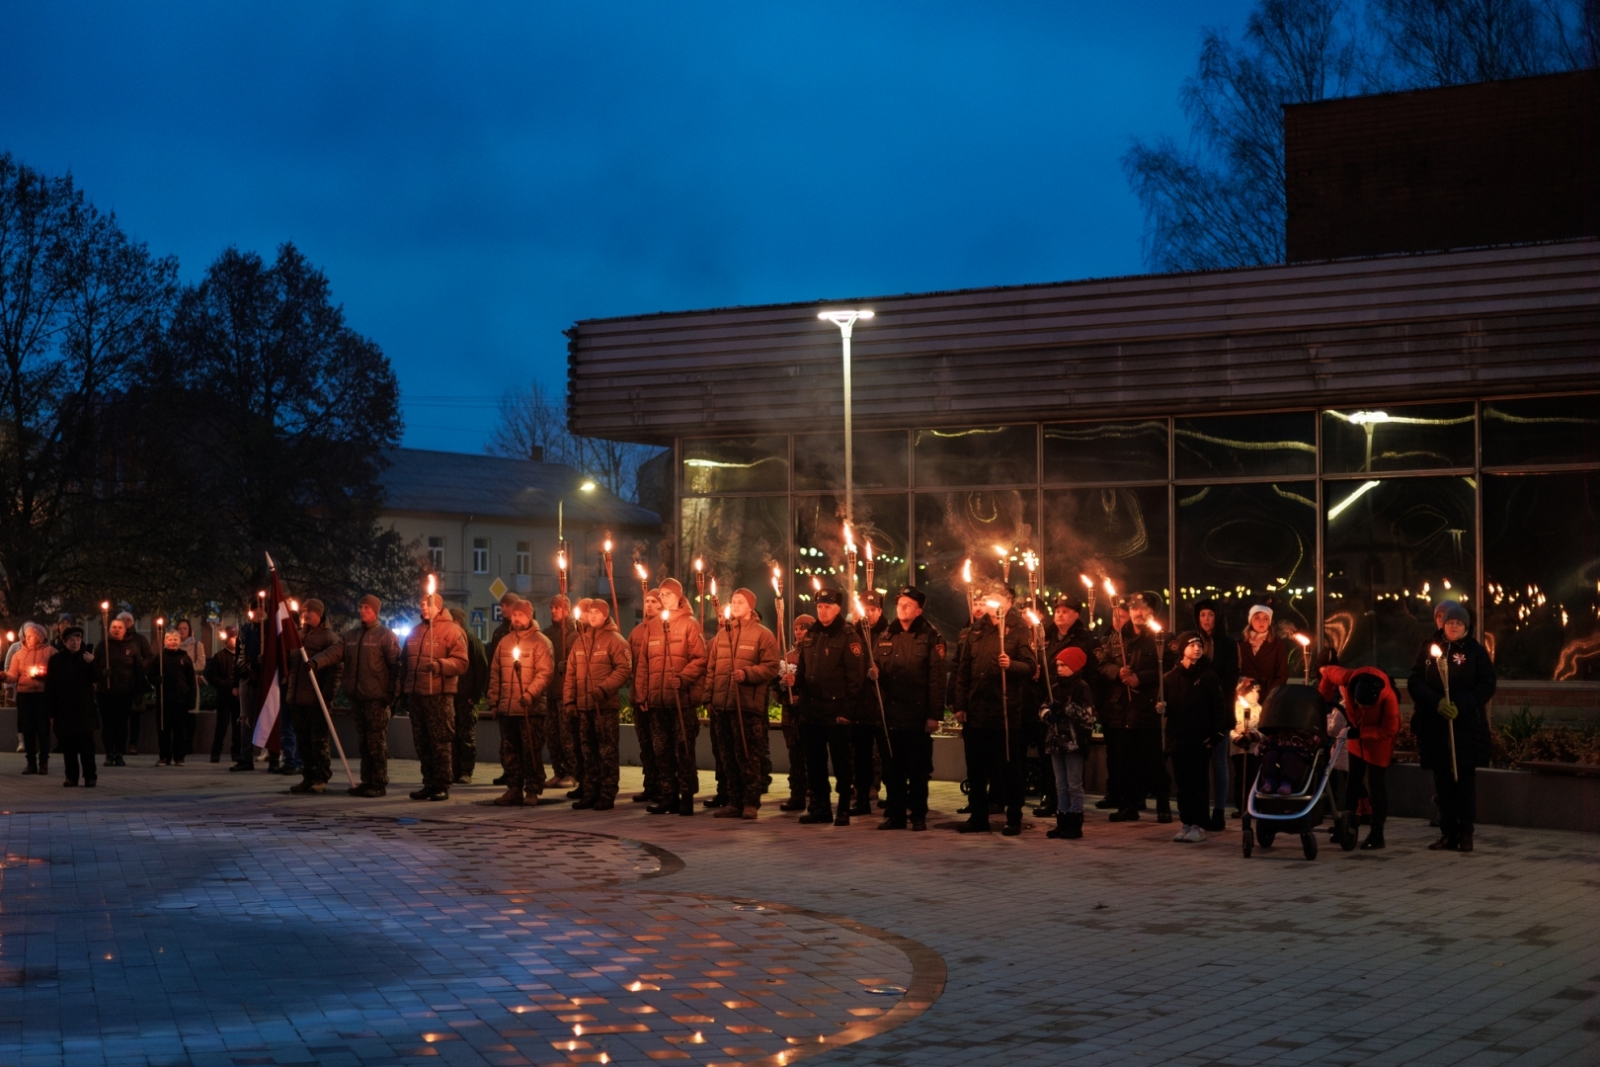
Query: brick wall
(1495, 163)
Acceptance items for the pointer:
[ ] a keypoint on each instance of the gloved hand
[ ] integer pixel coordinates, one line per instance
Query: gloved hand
(1448, 709)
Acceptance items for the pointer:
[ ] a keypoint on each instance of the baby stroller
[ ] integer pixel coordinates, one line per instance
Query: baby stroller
(1266, 815)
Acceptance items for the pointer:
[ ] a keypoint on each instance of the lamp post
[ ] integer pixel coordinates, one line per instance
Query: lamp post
(846, 321)
(562, 555)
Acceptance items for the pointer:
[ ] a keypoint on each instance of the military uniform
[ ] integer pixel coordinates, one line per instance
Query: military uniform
(676, 651)
(435, 657)
(739, 709)
(519, 685)
(561, 730)
(992, 765)
(911, 674)
(310, 725)
(868, 741)
(645, 717)
(471, 689)
(599, 667)
(371, 659)
(831, 672)
(789, 704)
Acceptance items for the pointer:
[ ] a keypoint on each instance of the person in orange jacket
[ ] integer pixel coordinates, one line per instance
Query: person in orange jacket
(1373, 711)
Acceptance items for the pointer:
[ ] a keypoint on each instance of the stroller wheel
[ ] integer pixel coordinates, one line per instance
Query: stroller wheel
(1249, 843)
(1264, 836)
(1308, 842)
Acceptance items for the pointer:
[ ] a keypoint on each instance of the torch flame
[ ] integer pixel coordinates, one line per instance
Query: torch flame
(727, 611)
(294, 605)
(607, 546)
(1088, 583)
(713, 585)
(869, 550)
(699, 564)
(666, 616)
(644, 575)
(994, 605)
(433, 584)
(1111, 590)
(160, 621)
(966, 571)
(1153, 626)
(849, 539)
(1305, 642)
(105, 605)
(516, 652)
(1002, 551)
(816, 583)
(1033, 616)
(1030, 560)
(561, 560)
(1435, 651)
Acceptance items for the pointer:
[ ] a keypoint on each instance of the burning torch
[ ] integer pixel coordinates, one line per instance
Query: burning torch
(605, 554)
(1004, 555)
(1305, 653)
(700, 589)
(644, 581)
(561, 569)
(872, 665)
(1005, 708)
(1443, 667)
(870, 565)
(1088, 584)
(850, 562)
(966, 576)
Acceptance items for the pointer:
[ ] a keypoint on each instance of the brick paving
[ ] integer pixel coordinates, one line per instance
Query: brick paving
(246, 926)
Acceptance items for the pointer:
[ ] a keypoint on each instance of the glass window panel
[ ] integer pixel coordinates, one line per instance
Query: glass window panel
(1550, 429)
(951, 527)
(1277, 442)
(1541, 572)
(740, 538)
(1113, 533)
(1245, 545)
(1416, 437)
(1003, 455)
(880, 457)
(819, 540)
(1106, 451)
(736, 464)
(1394, 548)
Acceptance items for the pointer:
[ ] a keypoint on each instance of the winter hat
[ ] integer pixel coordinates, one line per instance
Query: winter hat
(1148, 598)
(598, 605)
(314, 605)
(1453, 612)
(583, 605)
(370, 601)
(458, 615)
(873, 597)
(1257, 609)
(518, 604)
(560, 601)
(749, 597)
(829, 595)
(1071, 603)
(1074, 657)
(807, 621)
(509, 598)
(1187, 638)
(65, 619)
(672, 585)
(1366, 690)
(911, 592)
(70, 632)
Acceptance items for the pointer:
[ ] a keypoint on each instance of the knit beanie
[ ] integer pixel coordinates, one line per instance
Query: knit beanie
(1074, 657)
(672, 585)
(1453, 612)
(750, 598)
(1259, 608)
(314, 605)
(370, 601)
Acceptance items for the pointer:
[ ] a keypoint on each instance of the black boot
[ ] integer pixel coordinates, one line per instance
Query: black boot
(1163, 810)
(818, 816)
(685, 804)
(663, 805)
(1218, 822)
(975, 825)
(1047, 806)
(1106, 804)
(1069, 826)
(1374, 837)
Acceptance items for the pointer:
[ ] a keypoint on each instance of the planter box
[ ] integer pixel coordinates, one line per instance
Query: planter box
(1505, 798)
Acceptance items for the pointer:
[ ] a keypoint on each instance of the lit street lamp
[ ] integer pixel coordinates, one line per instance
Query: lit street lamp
(846, 321)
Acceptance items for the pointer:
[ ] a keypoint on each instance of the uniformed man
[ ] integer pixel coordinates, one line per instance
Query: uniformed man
(305, 707)
(829, 677)
(867, 738)
(370, 654)
(910, 668)
(952, 679)
(561, 730)
(519, 687)
(599, 668)
(470, 689)
(744, 659)
(645, 717)
(991, 711)
(435, 658)
(1130, 671)
(674, 688)
(789, 702)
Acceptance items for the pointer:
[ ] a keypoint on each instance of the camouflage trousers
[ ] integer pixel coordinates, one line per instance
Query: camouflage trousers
(797, 756)
(464, 750)
(673, 740)
(743, 737)
(372, 738)
(433, 730)
(311, 737)
(644, 727)
(561, 734)
(598, 731)
(521, 742)
(719, 755)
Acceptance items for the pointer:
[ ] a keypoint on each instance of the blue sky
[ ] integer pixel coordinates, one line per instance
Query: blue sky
(475, 177)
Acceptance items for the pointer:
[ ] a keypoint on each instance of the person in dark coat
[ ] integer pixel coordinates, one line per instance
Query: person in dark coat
(910, 666)
(991, 710)
(1455, 702)
(1130, 669)
(1069, 725)
(1261, 654)
(1064, 629)
(471, 689)
(135, 720)
(172, 676)
(789, 702)
(867, 737)
(70, 699)
(123, 658)
(306, 699)
(563, 733)
(829, 677)
(1223, 654)
(222, 674)
(1197, 717)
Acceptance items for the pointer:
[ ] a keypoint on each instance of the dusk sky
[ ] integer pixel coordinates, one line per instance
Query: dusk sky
(473, 178)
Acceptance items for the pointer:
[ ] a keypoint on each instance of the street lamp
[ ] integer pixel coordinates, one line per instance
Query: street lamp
(562, 557)
(846, 321)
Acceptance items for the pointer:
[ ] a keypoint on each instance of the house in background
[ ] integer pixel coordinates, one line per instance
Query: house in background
(486, 524)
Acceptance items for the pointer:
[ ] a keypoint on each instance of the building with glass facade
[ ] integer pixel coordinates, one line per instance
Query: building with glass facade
(1349, 442)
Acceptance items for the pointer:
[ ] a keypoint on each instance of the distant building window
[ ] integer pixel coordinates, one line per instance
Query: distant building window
(524, 557)
(480, 555)
(436, 553)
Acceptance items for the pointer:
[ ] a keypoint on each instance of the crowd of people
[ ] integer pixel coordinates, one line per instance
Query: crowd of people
(860, 696)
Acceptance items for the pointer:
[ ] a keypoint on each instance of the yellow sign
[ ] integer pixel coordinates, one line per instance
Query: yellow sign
(497, 588)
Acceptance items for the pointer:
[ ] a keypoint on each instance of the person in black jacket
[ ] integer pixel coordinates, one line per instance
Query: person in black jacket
(474, 685)
(1197, 717)
(69, 695)
(1223, 655)
(867, 734)
(222, 674)
(1064, 629)
(829, 676)
(1130, 669)
(991, 710)
(910, 668)
(172, 676)
(1069, 725)
(1455, 702)
(122, 660)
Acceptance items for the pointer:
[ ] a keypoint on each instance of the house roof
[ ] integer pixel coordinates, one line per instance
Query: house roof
(463, 483)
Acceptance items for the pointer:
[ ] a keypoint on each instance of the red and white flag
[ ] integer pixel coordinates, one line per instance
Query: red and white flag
(280, 638)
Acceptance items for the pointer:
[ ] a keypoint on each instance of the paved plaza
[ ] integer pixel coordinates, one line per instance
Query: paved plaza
(188, 915)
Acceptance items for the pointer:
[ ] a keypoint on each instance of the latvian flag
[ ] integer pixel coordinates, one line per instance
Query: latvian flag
(280, 638)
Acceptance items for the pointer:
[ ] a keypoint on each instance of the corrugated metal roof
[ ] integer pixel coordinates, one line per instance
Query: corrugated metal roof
(1465, 323)
(462, 483)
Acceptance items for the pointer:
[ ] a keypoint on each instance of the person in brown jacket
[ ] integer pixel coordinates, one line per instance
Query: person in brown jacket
(600, 666)
(744, 659)
(370, 654)
(1261, 654)
(520, 673)
(435, 656)
(673, 687)
(565, 745)
(305, 700)
(645, 717)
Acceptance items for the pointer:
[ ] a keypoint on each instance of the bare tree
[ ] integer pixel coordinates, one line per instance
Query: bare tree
(1423, 43)
(533, 425)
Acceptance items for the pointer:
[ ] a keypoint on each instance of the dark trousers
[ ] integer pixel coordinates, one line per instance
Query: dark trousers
(1118, 747)
(1191, 766)
(522, 738)
(824, 741)
(135, 720)
(1245, 767)
(33, 722)
(464, 750)
(674, 738)
(1458, 801)
(1367, 780)
(433, 731)
(906, 774)
(561, 735)
(599, 738)
(868, 751)
(77, 753)
(114, 722)
(372, 738)
(227, 726)
(993, 773)
(743, 740)
(797, 756)
(311, 737)
(644, 726)
(718, 755)
(172, 732)
(1144, 767)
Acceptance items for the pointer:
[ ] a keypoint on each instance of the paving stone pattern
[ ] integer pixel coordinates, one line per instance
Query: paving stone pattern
(353, 937)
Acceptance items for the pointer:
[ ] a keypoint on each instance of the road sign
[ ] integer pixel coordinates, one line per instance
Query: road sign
(497, 588)
(495, 612)
(477, 618)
